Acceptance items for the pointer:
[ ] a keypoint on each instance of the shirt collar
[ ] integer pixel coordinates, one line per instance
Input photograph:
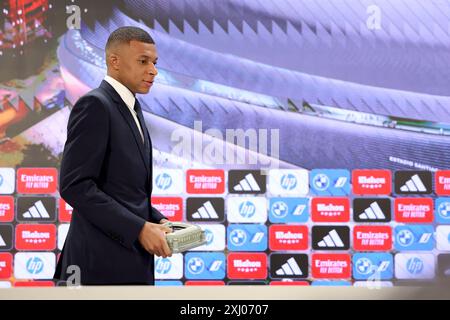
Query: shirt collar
(126, 95)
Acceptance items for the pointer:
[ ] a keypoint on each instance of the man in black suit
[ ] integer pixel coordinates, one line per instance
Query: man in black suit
(106, 173)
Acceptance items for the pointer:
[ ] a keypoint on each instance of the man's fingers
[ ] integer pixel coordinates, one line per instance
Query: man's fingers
(165, 229)
(152, 251)
(159, 253)
(166, 248)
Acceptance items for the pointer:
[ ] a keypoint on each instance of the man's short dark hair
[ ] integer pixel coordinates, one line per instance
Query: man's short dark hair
(127, 34)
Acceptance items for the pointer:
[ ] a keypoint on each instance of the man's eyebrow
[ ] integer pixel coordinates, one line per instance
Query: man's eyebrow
(147, 57)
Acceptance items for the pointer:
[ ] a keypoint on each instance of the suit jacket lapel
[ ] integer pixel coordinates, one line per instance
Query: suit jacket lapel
(130, 121)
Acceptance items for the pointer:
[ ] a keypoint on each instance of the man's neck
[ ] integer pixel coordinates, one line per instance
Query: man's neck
(118, 80)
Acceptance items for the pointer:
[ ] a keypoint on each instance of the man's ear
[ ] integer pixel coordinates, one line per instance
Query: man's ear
(113, 61)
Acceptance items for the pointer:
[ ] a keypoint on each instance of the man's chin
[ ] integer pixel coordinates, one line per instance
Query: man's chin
(143, 90)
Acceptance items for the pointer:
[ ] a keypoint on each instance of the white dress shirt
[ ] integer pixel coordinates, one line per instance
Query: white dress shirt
(127, 97)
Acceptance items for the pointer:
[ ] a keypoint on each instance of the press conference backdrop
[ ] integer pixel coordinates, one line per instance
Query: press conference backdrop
(346, 101)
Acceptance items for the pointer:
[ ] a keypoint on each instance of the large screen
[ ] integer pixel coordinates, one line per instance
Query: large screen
(309, 139)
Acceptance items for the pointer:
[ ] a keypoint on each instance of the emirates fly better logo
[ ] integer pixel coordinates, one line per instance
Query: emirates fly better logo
(442, 181)
(331, 266)
(419, 210)
(65, 211)
(171, 207)
(5, 265)
(372, 238)
(205, 181)
(36, 180)
(6, 208)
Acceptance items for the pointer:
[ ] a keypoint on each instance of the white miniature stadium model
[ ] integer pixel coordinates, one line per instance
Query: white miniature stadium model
(184, 236)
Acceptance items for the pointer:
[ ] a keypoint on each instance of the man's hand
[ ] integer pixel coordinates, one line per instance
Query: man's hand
(162, 221)
(153, 238)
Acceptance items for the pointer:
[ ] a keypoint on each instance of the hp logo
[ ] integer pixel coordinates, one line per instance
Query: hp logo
(209, 236)
(288, 181)
(35, 265)
(163, 181)
(414, 265)
(247, 209)
(163, 265)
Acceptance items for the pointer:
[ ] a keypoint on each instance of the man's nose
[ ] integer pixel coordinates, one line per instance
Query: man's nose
(153, 70)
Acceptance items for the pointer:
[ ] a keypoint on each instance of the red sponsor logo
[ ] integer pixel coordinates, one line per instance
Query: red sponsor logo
(5, 265)
(442, 179)
(36, 180)
(34, 284)
(6, 208)
(205, 181)
(371, 181)
(417, 210)
(330, 209)
(204, 283)
(331, 266)
(288, 237)
(35, 237)
(289, 283)
(247, 265)
(65, 211)
(171, 207)
(372, 238)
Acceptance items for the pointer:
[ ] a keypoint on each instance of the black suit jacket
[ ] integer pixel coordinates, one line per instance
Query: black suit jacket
(106, 176)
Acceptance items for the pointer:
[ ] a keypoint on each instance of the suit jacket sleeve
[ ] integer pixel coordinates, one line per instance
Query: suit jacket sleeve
(87, 139)
(156, 215)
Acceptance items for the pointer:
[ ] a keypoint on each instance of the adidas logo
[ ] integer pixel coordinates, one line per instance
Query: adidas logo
(36, 211)
(331, 240)
(2, 242)
(247, 184)
(6, 236)
(372, 209)
(206, 211)
(289, 268)
(408, 182)
(414, 184)
(246, 181)
(373, 212)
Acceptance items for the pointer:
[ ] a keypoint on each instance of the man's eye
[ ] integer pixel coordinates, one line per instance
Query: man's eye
(142, 61)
